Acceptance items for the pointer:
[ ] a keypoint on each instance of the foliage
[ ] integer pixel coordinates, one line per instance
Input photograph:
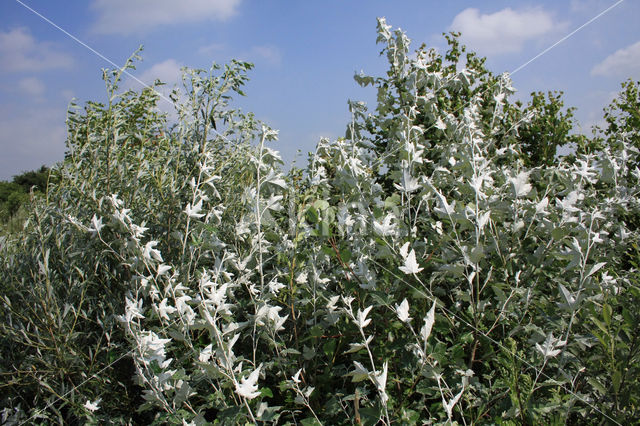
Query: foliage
(437, 265)
(623, 115)
(548, 129)
(15, 194)
(622, 122)
(34, 178)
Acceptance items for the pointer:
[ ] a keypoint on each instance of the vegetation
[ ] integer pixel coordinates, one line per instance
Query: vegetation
(439, 264)
(15, 194)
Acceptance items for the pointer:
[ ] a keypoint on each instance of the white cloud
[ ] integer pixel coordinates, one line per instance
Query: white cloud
(211, 48)
(260, 54)
(588, 6)
(271, 54)
(590, 112)
(505, 31)
(168, 71)
(257, 54)
(19, 51)
(31, 138)
(67, 94)
(127, 17)
(32, 86)
(623, 63)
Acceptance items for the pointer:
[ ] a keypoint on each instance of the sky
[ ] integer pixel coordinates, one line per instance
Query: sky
(305, 54)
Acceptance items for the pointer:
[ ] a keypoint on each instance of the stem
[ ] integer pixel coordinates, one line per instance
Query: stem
(259, 215)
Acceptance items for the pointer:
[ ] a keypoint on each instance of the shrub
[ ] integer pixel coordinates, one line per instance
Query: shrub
(425, 268)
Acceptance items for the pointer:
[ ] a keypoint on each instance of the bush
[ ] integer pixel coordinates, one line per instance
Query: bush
(425, 268)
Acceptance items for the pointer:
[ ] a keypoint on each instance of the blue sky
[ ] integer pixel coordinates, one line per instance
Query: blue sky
(305, 52)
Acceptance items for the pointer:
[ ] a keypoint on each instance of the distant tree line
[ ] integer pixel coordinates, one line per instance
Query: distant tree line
(15, 193)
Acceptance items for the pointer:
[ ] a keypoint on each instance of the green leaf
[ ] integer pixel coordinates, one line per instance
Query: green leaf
(266, 392)
(329, 251)
(596, 268)
(377, 212)
(597, 385)
(330, 214)
(558, 233)
(392, 201)
(409, 417)
(316, 331)
(499, 293)
(601, 339)
(308, 353)
(370, 415)
(600, 325)
(628, 319)
(477, 253)
(606, 314)
(312, 215)
(345, 255)
(616, 379)
(321, 204)
(325, 229)
(329, 347)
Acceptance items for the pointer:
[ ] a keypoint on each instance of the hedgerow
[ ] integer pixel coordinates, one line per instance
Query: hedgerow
(438, 264)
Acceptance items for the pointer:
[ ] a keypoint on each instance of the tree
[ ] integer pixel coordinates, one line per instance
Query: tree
(548, 129)
(35, 180)
(15, 194)
(623, 115)
(10, 191)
